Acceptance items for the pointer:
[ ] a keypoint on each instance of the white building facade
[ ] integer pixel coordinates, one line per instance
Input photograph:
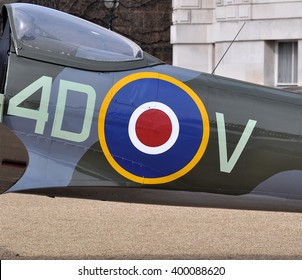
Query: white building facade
(267, 51)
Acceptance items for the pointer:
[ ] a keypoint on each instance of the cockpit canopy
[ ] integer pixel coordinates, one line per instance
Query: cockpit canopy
(51, 35)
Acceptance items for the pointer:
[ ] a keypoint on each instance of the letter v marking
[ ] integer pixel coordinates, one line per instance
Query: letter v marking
(225, 164)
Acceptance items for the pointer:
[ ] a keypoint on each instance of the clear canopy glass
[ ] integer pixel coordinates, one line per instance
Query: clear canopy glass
(61, 34)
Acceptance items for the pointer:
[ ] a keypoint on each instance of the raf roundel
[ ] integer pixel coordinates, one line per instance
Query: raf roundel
(153, 129)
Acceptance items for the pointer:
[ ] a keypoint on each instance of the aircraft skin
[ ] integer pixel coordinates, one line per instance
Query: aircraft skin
(145, 132)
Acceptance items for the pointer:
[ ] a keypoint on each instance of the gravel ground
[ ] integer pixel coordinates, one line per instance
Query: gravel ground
(34, 227)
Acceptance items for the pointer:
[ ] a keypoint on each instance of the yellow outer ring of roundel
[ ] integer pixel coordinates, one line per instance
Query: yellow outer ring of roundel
(101, 128)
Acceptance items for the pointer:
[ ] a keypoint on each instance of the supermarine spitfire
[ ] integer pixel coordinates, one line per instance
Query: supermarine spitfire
(86, 113)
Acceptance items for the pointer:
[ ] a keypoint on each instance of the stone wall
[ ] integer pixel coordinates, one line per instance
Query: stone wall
(147, 22)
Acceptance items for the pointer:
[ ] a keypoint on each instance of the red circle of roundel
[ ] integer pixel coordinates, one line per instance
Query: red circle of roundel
(153, 128)
(166, 143)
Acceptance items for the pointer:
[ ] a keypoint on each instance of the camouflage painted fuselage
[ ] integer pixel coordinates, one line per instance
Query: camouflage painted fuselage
(151, 133)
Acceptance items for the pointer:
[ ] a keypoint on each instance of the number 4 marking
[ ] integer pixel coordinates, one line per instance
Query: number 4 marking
(41, 115)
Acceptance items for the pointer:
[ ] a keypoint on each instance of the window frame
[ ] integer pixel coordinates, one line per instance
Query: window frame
(294, 65)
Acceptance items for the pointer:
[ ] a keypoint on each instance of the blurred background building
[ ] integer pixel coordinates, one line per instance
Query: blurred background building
(267, 51)
(196, 33)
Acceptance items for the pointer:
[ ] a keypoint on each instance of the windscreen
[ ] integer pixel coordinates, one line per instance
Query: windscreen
(60, 34)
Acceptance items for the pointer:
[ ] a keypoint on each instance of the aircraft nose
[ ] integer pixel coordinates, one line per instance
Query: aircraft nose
(13, 158)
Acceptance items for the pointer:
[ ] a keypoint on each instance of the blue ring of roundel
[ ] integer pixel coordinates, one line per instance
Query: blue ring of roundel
(119, 111)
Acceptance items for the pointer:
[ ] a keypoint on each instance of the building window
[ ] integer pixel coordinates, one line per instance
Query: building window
(287, 63)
